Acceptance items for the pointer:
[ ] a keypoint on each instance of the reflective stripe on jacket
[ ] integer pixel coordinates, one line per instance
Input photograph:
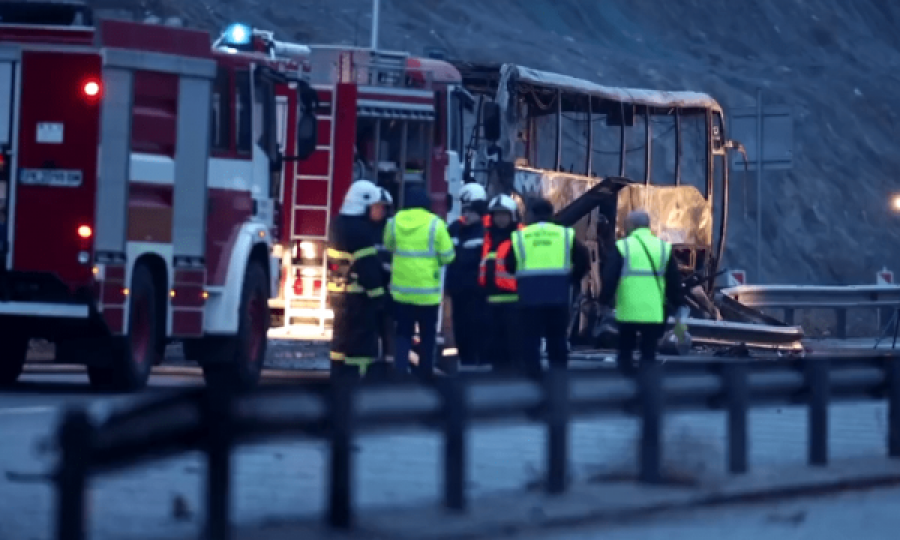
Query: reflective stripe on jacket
(544, 263)
(341, 276)
(421, 246)
(640, 296)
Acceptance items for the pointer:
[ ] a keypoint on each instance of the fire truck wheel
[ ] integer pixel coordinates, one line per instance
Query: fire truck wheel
(133, 356)
(12, 359)
(236, 362)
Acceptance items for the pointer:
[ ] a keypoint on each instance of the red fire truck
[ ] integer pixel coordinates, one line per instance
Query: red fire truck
(384, 116)
(140, 173)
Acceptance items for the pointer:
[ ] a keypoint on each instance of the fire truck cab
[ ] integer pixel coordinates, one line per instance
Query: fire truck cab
(384, 116)
(140, 169)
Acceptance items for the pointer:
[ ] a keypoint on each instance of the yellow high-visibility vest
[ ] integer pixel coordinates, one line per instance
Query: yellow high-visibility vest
(420, 245)
(640, 296)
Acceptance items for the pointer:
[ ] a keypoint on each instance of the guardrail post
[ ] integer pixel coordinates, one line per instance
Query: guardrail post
(818, 390)
(893, 394)
(455, 411)
(789, 316)
(556, 398)
(841, 318)
(340, 499)
(737, 395)
(650, 392)
(219, 415)
(75, 438)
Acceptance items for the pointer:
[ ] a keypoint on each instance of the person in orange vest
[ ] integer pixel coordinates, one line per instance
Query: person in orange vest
(500, 285)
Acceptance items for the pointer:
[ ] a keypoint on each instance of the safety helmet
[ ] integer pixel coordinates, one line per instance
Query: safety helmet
(472, 192)
(361, 195)
(504, 202)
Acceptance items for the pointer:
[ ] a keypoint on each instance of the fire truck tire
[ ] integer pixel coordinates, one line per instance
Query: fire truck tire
(133, 356)
(12, 359)
(236, 362)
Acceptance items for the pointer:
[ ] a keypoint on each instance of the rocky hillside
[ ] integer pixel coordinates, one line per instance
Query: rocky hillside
(835, 62)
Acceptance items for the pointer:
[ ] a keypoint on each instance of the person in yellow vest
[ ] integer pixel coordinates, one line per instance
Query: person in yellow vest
(547, 260)
(643, 275)
(421, 246)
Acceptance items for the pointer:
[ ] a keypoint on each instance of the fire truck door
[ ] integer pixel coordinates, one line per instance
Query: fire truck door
(264, 147)
(7, 96)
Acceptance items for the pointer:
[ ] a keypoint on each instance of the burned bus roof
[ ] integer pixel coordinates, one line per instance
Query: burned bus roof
(485, 78)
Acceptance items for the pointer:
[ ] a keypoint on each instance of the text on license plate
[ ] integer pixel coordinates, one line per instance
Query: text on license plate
(50, 177)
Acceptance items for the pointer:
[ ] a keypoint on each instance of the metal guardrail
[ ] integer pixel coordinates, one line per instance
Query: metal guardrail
(215, 422)
(790, 298)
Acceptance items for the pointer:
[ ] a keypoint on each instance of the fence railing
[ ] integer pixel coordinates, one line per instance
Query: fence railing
(214, 422)
(791, 298)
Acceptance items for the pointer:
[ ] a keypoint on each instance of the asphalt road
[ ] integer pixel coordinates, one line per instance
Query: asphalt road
(287, 479)
(871, 515)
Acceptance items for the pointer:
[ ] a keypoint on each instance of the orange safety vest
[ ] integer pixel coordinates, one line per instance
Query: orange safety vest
(503, 280)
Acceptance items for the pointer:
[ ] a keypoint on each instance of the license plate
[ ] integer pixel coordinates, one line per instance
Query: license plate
(50, 177)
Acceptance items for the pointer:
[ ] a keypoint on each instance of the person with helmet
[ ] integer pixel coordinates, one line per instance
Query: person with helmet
(420, 245)
(466, 296)
(355, 280)
(386, 322)
(547, 260)
(499, 284)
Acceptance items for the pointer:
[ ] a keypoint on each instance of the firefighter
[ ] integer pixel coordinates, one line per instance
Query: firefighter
(355, 281)
(642, 274)
(547, 260)
(467, 298)
(420, 245)
(499, 284)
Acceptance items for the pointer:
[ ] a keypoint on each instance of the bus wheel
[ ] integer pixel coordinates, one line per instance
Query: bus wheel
(12, 358)
(235, 362)
(134, 356)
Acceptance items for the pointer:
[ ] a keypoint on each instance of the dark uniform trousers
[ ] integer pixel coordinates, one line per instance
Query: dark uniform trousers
(551, 323)
(644, 336)
(470, 318)
(355, 333)
(505, 334)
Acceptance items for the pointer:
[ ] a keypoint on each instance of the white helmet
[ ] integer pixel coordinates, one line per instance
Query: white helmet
(472, 192)
(504, 202)
(361, 195)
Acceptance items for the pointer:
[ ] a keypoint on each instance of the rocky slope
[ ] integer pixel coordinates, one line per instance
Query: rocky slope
(835, 62)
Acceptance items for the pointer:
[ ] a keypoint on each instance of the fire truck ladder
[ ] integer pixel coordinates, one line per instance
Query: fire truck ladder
(297, 240)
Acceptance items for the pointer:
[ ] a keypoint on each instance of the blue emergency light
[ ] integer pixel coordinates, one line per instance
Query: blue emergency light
(238, 34)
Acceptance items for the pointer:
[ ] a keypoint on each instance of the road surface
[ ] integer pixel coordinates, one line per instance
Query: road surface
(286, 479)
(871, 515)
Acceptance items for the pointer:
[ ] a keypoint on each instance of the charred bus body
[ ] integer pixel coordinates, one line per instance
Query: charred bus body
(610, 150)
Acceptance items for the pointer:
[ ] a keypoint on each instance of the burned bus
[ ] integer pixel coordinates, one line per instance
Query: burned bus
(598, 152)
